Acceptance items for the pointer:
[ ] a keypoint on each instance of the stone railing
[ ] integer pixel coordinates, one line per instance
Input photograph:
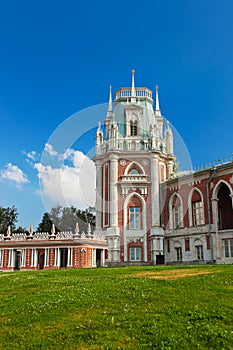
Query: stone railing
(134, 178)
(37, 236)
(189, 230)
(124, 144)
(214, 163)
(139, 93)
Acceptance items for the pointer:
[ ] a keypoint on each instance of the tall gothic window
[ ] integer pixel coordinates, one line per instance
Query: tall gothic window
(176, 216)
(176, 212)
(134, 218)
(197, 213)
(197, 209)
(133, 128)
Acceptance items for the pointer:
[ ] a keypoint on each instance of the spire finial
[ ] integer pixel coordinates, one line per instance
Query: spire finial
(53, 230)
(76, 228)
(157, 108)
(31, 230)
(110, 99)
(133, 94)
(8, 232)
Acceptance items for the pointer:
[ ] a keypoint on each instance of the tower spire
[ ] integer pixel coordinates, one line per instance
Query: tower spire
(110, 99)
(133, 92)
(157, 108)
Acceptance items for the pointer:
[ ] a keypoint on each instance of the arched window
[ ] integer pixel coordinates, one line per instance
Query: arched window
(225, 211)
(134, 168)
(197, 209)
(133, 128)
(176, 212)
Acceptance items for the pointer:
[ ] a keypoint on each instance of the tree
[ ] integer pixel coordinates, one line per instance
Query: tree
(21, 229)
(46, 224)
(66, 218)
(8, 216)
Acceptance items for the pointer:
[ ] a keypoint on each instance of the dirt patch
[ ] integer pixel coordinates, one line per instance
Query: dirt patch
(174, 274)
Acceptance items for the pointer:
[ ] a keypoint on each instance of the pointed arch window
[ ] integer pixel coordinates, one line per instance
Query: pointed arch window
(176, 212)
(197, 209)
(225, 210)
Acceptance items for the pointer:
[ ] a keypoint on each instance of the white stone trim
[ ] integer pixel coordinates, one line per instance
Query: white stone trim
(130, 165)
(142, 232)
(171, 226)
(190, 209)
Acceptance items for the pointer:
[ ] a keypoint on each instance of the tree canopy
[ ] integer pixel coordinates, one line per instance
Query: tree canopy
(66, 218)
(8, 216)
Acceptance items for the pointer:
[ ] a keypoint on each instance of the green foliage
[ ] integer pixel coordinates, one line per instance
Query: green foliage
(116, 309)
(66, 218)
(8, 216)
(46, 224)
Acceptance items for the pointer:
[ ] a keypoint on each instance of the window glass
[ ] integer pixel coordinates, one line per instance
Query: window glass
(134, 172)
(176, 216)
(199, 252)
(178, 253)
(135, 253)
(134, 218)
(197, 213)
(133, 129)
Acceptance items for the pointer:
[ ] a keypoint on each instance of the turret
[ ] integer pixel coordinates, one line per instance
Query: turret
(158, 115)
(99, 139)
(168, 139)
(110, 114)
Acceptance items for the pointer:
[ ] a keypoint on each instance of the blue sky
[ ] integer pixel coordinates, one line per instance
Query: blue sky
(59, 57)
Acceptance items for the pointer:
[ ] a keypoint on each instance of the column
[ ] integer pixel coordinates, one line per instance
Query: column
(99, 194)
(113, 190)
(215, 222)
(155, 208)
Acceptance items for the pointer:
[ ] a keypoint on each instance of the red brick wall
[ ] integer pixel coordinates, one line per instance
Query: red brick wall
(197, 181)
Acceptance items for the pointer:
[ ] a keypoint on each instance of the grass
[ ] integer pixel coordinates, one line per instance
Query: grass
(122, 308)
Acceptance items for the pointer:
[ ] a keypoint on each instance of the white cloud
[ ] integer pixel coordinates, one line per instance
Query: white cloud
(13, 173)
(68, 185)
(31, 155)
(49, 149)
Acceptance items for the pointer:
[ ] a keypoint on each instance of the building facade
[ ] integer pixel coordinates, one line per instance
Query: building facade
(149, 212)
(37, 251)
(198, 216)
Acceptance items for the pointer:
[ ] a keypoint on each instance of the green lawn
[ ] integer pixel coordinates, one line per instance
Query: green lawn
(122, 308)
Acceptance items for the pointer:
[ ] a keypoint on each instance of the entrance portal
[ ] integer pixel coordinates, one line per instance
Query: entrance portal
(63, 257)
(17, 256)
(41, 259)
(98, 257)
(159, 259)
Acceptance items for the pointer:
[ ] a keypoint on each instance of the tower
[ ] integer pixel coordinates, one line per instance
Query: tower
(132, 159)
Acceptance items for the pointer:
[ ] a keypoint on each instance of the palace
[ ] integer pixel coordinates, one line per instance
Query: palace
(147, 211)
